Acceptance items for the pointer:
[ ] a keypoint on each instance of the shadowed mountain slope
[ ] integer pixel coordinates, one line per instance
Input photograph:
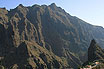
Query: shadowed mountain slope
(95, 57)
(95, 52)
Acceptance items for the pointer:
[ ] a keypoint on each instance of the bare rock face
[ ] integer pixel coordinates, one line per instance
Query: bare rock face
(31, 55)
(44, 37)
(22, 44)
(95, 52)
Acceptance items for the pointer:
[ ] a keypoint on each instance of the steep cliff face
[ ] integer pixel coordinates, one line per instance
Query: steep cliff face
(95, 56)
(95, 52)
(47, 35)
(22, 45)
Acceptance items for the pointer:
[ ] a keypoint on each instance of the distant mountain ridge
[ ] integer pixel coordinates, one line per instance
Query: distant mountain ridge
(45, 28)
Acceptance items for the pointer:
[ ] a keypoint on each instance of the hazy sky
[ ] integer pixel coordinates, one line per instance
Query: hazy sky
(91, 11)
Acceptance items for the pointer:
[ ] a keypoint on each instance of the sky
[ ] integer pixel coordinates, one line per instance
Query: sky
(90, 11)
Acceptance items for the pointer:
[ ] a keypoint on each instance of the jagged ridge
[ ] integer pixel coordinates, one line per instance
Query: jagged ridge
(49, 27)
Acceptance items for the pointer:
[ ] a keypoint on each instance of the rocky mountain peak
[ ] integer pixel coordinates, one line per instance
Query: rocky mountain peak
(20, 5)
(3, 11)
(95, 52)
(53, 6)
(93, 43)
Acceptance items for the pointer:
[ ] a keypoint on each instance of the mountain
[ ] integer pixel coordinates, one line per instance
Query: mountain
(95, 57)
(95, 52)
(44, 36)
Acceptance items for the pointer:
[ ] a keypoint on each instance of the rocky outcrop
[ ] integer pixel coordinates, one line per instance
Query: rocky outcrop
(95, 56)
(95, 52)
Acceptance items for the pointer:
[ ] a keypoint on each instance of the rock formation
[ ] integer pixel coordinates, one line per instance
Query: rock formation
(44, 37)
(95, 52)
